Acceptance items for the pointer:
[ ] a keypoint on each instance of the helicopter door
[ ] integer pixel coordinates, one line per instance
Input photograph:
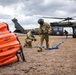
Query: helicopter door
(74, 32)
(60, 29)
(57, 30)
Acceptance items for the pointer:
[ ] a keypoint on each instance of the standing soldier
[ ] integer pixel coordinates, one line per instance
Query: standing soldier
(29, 38)
(45, 30)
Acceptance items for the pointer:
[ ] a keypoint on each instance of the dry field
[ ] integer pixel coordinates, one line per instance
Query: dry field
(60, 61)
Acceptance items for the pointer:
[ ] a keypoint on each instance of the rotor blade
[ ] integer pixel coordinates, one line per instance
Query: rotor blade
(67, 19)
(53, 18)
(74, 17)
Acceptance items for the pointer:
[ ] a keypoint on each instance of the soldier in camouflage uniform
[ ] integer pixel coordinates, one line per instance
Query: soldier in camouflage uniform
(29, 38)
(45, 30)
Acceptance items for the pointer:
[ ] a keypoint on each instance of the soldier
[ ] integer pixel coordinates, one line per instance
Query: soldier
(45, 30)
(29, 38)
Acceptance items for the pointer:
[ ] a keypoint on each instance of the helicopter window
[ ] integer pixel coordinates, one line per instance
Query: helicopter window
(60, 28)
(55, 28)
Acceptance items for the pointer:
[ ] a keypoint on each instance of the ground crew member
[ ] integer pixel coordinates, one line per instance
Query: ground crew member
(29, 38)
(66, 33)
(45, 30)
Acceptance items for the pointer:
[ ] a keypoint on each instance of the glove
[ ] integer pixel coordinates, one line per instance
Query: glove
(35, 39)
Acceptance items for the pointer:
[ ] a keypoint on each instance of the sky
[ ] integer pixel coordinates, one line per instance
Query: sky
(27, 12)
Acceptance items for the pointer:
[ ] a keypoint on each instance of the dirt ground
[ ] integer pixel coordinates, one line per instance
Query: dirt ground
(60, 61)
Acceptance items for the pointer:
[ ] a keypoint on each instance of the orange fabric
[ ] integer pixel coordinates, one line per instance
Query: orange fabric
(8, 42)
(9, 46)
(9, 61)
(4, 58)
(12, 51)
(7, 38)
(4, 27)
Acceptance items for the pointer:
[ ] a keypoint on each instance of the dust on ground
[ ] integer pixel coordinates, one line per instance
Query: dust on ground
(60, 61)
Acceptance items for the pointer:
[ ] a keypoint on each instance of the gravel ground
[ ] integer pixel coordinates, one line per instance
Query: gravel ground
(60, 61)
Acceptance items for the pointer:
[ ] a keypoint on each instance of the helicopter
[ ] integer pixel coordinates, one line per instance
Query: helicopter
(57, 27)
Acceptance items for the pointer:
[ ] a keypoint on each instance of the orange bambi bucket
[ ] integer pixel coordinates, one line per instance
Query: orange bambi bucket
(9, 46)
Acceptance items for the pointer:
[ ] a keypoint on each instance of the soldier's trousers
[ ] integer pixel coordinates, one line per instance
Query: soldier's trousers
(28, 43)
(46, 38)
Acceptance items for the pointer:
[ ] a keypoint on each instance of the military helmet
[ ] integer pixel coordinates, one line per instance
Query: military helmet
(32, 31)
(41, 21)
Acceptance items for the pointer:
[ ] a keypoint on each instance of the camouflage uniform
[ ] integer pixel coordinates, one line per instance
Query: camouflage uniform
(45, 30)
(28, 39)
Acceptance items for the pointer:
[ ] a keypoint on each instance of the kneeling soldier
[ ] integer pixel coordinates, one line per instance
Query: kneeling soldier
(29, 38)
